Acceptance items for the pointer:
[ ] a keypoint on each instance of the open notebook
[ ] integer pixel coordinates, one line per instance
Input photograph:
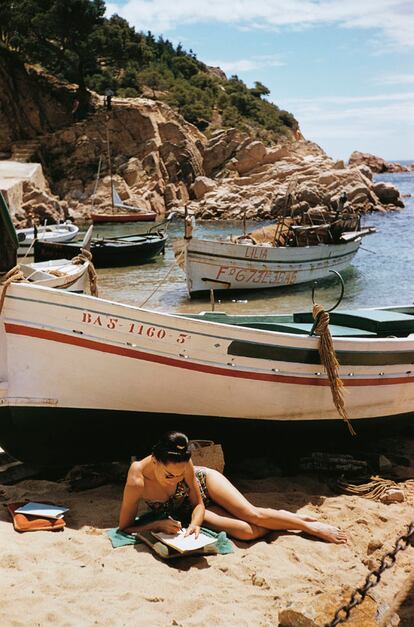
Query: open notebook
(181, 543)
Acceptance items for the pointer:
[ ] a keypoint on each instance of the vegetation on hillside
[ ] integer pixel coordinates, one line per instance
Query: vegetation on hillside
(73, 40)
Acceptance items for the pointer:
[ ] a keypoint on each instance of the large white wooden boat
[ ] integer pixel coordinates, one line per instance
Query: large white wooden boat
(292, 250)
(82, 377)
(48, 233)
(225, 265)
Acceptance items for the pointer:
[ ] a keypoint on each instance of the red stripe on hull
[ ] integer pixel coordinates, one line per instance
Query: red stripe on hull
(54, 336)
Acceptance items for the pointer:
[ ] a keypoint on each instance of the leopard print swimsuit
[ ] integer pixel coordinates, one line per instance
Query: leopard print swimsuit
(179, 499)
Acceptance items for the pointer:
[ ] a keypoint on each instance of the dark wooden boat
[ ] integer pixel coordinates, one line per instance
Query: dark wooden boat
(128, 250)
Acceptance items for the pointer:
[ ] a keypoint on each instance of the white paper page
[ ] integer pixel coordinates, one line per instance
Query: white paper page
(181, 543)
(42, 509)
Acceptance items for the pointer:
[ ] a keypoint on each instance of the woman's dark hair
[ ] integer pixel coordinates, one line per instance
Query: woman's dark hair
(173, 446)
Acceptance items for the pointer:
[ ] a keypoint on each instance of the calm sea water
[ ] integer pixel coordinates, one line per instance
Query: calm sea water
(381, 272)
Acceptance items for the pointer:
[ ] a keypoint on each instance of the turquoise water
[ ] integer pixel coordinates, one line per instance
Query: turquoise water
(380, 274)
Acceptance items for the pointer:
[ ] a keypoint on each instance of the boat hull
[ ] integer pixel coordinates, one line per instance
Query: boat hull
(60, 274)
(112, 358)
(230, 266)
(99, 218)
(51, 233)
(105, 255)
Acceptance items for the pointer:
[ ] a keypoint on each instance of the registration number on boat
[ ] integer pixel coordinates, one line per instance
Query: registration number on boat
(264, 277)
(136, 328)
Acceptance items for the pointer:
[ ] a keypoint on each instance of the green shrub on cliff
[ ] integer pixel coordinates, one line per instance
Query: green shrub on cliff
(72, 39)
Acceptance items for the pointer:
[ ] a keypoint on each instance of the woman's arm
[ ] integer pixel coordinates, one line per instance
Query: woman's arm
(196, 501)
(133, 491)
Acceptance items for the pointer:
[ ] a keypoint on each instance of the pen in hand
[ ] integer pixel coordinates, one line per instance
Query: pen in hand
(177, 522)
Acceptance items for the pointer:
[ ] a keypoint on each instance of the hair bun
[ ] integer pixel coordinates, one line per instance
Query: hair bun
(173, 446)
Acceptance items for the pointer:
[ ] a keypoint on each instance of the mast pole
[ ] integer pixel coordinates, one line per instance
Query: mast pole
(110, 166)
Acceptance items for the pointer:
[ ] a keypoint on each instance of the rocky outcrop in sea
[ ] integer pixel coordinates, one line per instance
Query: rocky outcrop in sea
(377, 164)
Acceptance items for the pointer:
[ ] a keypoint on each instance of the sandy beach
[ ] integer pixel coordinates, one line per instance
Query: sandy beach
(75, 577)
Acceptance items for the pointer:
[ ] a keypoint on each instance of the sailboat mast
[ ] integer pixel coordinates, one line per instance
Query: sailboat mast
(108, 147)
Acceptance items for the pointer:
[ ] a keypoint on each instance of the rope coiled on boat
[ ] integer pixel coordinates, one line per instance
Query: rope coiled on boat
(13, 275)
(86, 255)
(330, 361)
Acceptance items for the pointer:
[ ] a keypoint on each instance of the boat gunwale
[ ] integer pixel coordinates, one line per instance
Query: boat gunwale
(309, 340)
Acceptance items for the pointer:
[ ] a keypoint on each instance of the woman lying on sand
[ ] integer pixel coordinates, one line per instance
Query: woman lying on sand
(170, 484)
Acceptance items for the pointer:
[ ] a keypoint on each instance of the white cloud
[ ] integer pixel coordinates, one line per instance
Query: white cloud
(340, 100)
(367, 123)
(393, 18)
(247, 65)
(395, 79)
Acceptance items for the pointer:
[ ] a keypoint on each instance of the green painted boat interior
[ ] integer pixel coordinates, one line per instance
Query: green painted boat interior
(370, 323)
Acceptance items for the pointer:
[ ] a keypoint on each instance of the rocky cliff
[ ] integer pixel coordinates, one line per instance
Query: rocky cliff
(31, 103)
(160, 161)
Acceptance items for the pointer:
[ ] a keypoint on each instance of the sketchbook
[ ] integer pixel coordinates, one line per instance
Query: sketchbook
(43, 510)
(183, 544)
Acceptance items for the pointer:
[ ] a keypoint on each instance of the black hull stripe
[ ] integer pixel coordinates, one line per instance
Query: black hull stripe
(311, 356)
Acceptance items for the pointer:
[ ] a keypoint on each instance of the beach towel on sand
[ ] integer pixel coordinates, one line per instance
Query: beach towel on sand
(118, 538)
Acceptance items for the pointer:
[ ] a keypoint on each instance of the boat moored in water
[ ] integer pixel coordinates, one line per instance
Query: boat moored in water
(109, 252)
(48, 233)
(293, 250)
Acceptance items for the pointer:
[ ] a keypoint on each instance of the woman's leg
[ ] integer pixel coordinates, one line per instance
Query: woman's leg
(218, 519)
(224, 494)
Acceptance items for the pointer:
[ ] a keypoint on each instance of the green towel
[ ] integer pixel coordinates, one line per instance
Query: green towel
(119, 538)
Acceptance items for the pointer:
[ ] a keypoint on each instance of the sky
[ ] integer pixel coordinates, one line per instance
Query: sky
(344, 68)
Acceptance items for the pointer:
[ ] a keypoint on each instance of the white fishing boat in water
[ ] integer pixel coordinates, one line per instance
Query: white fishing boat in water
(292, 251)
(82, 377)
(223, 265)
(48, 233)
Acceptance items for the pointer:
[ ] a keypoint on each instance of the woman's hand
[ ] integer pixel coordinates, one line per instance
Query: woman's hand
(168, 525)
(192, 529)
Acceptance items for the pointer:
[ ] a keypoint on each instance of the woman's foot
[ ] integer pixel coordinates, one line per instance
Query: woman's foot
(327, 532)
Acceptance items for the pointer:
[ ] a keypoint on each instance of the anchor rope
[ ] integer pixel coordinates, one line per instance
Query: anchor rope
(15, 274)
(373, 489)
(330, 362)
(177, 260)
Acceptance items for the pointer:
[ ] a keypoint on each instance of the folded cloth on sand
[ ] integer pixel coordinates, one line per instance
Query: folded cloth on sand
(27, 522)
(119, 538)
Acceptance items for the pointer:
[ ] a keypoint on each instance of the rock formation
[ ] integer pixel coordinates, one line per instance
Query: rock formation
(161, 162)
(377, 164)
